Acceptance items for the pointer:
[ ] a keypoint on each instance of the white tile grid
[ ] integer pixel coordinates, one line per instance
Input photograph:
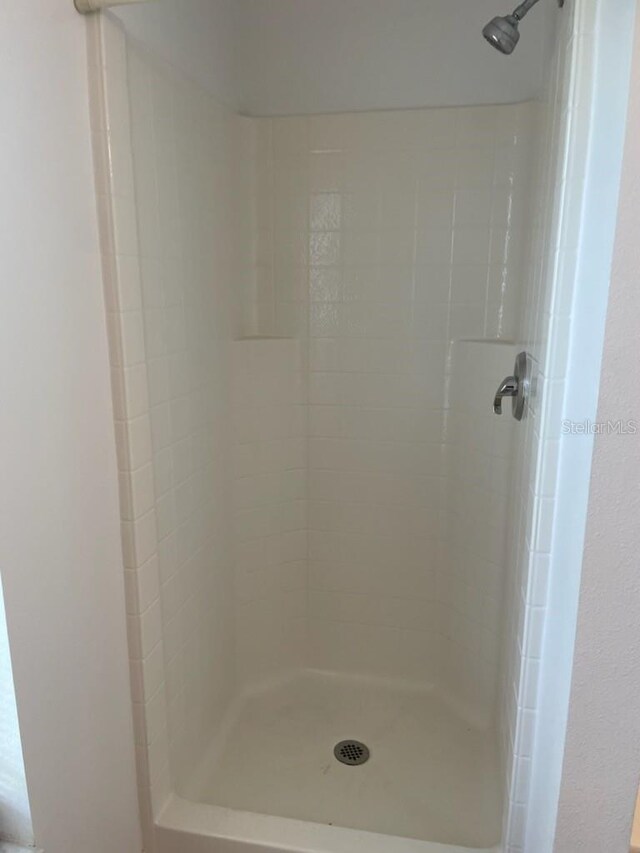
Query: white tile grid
(186, 152)
(352, 343)
(479, 447)
(382, 236)
(377, 208)
(270, 507)
(169, 227)
(566, 112)
(114, 182)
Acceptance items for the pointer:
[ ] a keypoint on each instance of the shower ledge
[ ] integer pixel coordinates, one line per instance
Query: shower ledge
(507, 342)
(254, 833)
(245, 338)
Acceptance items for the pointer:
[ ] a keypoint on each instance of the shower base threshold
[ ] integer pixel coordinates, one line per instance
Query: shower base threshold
(271, 781)
(186, 827)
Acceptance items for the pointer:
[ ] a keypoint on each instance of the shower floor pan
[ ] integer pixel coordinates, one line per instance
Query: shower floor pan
(272, 783)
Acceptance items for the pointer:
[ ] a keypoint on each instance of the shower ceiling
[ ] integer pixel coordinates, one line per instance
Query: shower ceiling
(347, 56)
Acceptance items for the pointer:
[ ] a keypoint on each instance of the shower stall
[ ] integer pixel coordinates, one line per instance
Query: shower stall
(336, 554)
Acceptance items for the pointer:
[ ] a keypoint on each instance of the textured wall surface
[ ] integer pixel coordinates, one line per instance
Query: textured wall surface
(61, 551)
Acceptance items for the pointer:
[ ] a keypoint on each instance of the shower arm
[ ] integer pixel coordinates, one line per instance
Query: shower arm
(86, 7)
(523, 8)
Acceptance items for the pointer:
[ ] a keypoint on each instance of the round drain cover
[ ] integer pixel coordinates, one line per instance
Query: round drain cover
(351, 752)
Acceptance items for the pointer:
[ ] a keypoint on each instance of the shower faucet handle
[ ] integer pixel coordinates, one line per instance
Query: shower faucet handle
(516, 387)
(507, 388)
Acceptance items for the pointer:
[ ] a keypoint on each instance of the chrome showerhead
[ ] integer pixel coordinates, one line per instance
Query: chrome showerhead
(503, 33)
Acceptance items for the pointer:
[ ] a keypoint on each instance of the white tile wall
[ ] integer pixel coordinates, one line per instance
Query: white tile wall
(381, 237)
(319, 486)
(474, 568)
(562, 117)
(172, 211)
(185, 167)
(270, 506)
(394, 224)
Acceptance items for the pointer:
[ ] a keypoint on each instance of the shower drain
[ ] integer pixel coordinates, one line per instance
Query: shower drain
(351, 752)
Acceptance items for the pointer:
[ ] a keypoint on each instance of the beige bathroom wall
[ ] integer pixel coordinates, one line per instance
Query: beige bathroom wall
(61, 559)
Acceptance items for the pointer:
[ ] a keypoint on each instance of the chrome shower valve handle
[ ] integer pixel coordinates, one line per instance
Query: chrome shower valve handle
(516, 387)
(507, 388)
